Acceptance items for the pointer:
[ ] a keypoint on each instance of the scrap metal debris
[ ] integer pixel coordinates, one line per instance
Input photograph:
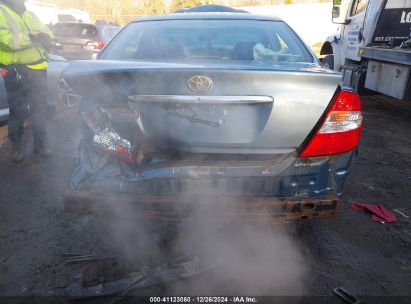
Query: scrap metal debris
(379, 212)
(346, 296)
(3, 260)
(383, 163)
(401, 212)
(72, 258)
(143, 279)
(406, 44)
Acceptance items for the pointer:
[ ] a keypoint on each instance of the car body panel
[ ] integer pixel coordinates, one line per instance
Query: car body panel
(276, 175)
(56, 66)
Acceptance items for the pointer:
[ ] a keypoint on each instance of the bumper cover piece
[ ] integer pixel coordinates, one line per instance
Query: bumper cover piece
(176, 208)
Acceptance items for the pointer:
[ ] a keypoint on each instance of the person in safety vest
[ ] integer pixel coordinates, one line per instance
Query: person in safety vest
(24, 41)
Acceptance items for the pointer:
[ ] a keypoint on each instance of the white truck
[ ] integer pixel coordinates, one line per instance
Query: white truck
(45, 11)
(372, 46)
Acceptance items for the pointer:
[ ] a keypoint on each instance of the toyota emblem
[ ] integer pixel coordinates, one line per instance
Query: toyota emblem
(200, 84)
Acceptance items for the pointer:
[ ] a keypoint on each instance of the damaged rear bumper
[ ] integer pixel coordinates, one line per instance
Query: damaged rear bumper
(177, 208)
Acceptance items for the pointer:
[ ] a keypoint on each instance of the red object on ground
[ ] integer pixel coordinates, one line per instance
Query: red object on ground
(379, 212)
(3, 72)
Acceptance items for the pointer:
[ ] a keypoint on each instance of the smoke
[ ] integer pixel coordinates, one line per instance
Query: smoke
(250, 259)
(246, 259)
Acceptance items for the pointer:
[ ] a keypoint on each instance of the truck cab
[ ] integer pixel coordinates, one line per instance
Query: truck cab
(373, 41)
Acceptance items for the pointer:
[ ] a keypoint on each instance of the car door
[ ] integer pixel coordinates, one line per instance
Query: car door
(352, 31)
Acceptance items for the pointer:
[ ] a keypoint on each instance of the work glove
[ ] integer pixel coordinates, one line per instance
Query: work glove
(43, 40)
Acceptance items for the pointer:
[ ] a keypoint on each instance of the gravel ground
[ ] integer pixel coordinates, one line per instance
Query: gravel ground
(367, 258)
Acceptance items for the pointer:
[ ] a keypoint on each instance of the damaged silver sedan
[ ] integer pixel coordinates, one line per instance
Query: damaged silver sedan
(211, 109)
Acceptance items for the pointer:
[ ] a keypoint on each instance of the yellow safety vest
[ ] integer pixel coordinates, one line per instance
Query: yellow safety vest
(15, 44)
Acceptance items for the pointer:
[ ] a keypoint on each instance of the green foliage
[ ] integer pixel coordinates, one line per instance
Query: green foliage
(178, 4)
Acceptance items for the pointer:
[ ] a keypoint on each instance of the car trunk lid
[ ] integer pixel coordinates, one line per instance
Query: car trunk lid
(241, 110)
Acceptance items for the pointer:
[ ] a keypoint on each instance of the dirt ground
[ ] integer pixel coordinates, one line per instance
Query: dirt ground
(367, 258)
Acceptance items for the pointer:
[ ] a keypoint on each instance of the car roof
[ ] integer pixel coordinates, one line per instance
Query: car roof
(210, 8)
(208, 15)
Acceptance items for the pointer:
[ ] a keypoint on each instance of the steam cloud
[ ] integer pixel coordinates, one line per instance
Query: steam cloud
(250, 259)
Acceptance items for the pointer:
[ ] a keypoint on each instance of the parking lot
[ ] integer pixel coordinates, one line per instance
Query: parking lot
(311, 258)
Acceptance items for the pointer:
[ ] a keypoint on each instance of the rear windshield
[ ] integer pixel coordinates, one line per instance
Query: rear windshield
(75, 30)
(214, 40)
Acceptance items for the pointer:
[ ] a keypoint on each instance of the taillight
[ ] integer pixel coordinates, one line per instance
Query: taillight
(340, 130)
(97, 44)
(109, 141)
(3, 72)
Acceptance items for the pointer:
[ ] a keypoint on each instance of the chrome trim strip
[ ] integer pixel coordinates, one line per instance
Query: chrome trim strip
(206, 99)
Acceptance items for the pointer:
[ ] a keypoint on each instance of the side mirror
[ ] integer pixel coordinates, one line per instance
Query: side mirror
(336, 12)
(336, 15)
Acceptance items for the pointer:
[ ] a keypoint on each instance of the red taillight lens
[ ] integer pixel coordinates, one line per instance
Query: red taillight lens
(3, 72)
(101, 45)
(97, 44)
(109, 141)
(341, 129)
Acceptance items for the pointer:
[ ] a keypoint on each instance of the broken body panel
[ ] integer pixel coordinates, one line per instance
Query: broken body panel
(216, 143)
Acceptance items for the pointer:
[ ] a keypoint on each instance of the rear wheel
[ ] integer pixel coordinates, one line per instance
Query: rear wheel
(328, 62)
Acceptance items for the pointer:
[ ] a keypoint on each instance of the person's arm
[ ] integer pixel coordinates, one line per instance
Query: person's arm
(39, 33)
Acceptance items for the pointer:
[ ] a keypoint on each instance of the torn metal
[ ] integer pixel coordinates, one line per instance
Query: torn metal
(347, 297)
(141, 280)
(401, 212)
(168, 174)
(162, 186)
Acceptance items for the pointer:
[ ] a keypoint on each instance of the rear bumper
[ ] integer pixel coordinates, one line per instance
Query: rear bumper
(178, 208)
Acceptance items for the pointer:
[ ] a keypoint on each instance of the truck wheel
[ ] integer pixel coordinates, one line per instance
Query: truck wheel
(328, 62)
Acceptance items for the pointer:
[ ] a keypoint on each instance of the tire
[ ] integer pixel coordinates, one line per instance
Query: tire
(328, 62)
(359, 82)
